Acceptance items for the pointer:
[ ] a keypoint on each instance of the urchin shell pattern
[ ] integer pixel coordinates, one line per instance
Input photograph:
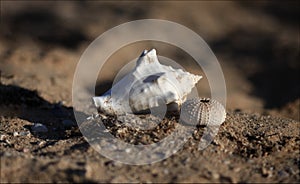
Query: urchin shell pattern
(203, 111)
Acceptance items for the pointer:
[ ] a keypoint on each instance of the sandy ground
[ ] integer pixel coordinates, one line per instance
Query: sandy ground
(257, 45)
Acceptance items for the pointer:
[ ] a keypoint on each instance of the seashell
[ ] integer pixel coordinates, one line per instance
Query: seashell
(203, 111)
(149, 85)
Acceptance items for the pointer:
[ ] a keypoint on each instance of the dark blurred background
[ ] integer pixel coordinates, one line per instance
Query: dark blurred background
(256, 43)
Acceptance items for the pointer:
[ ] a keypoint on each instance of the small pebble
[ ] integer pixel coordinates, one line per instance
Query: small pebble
(26, 150)
(215, 175)
(2, 137)
(42, 143)
(8, 142)
(166, 171)
(16, 134)
(38, 128)
(237, 169)
(226, 162)
(24, 133)
(127, 150)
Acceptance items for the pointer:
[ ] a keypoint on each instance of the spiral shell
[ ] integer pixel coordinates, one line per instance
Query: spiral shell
(150, 84)
(203, 111)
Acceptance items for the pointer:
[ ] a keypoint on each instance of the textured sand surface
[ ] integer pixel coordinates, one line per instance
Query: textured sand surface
(248, 148)
(257, 45)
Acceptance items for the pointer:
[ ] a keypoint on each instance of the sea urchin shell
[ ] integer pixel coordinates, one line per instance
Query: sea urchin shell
(202, 111)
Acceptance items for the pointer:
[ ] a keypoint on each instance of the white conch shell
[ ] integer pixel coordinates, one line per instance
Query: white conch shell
(203, 111)
(149, 85)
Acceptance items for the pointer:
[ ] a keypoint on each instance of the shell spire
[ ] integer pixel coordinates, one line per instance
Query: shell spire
(147, 57)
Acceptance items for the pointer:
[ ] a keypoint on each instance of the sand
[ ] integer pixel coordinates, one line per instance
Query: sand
(256, 44)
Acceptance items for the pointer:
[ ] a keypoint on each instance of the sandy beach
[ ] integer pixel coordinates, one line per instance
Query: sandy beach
(256, 44)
